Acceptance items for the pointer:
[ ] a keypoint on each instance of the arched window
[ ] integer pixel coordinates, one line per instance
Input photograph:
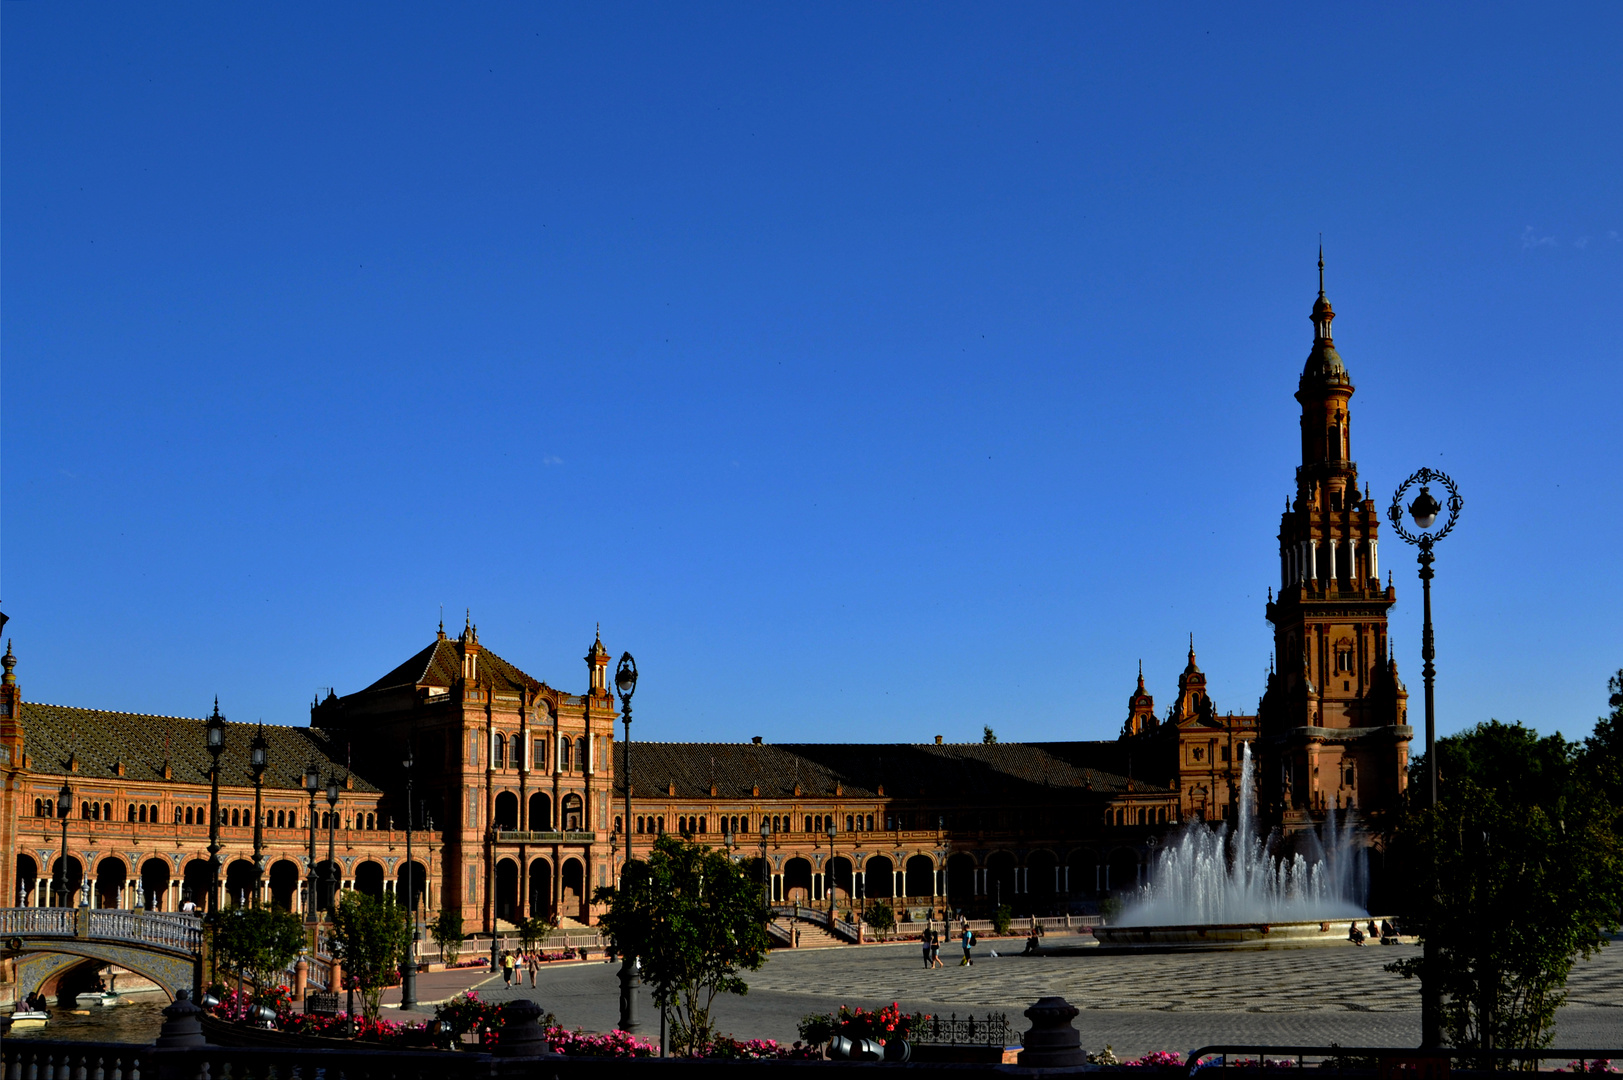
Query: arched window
(179, 816)
(617, 823)
(701, 826)
(869, 825)
(848, 821)
(281, 818)
(518, 752)
(540, 755)
(582, 762)
(131, 813)
(639, 825)
(188, 814)
(743, 824)
(236, 818)
(500, 761)
(152, 813)
(563, 753)
(84, 811)
(143, 815)
(660, 825)
(39, 808)
(371, 822)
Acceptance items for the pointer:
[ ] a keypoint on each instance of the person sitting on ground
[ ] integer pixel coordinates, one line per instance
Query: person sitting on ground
(1374, 934)
(1355, 935)
(1389, 936)
(1031, 943)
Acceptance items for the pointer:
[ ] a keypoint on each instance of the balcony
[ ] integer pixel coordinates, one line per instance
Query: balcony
(510, 836)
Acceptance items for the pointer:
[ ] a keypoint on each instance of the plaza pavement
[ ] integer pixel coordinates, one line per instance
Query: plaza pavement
(1135, 1003)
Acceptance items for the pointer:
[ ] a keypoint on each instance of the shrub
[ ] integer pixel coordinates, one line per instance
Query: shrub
(1002, 919)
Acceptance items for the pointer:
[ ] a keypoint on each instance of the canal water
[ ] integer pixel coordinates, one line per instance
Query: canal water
(136, 1021)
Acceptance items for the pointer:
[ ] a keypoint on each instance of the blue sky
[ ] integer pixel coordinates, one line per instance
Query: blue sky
(870, 372)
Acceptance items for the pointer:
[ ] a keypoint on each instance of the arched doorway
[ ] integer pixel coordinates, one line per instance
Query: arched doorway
(1042, 871)
(1083, 868)
(194, 885)
(1121, 873)
(507, 890)
(111, 876)
(239, 883)
(1000, 878)
(540, 888)
(155, 884)
(507, 811)
(369, 879)
(540, 813)
(879, 878)
(960, 880)
(411, 885)
(284, 883)
(67, 878)
(574, 883)
(574, 813)
(839, 872)
(920, 876)
(27, 880)
(797, 881)
(329, 880)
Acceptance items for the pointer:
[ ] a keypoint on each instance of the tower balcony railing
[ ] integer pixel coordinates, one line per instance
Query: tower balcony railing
(532, 836)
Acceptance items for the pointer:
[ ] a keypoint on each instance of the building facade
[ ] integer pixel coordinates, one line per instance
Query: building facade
(517, 789)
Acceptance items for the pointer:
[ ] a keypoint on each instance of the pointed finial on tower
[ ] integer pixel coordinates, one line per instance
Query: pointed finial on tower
(467, 619)
(442, 620)
(1191, 644)
(1321, 264)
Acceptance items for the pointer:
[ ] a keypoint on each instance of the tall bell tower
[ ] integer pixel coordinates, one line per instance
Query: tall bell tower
(1334, 717)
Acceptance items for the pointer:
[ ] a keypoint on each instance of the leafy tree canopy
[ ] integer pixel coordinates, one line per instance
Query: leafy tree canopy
(262, 941)
(695, 919)
(370, 936)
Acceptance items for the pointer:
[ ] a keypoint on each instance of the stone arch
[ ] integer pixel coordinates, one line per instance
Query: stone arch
(284, 883)
(1082, 868)
(920, 876)
(1000, 884)
(574, 812)
(155, 876)
(411, 884)
(112, 874)
(878, 877)
(506, 811)
(960, 879)
(239, 883)
(540, 812)
(507, 890)
(1121, 871)
(540, 888)
(67, 878)
(27, 880)
(1042, 880)
(369, 879)
(839, 874)
(574, 889)
(38, 965)
(797, 880)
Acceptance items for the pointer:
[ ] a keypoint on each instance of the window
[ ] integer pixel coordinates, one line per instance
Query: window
(131, 814)
(178, 816)
(143, 815)
(581, 761)
(518, 752)
(870, 823)
(500, 757)
(234, 818)
(743, 824)
(563, 753)
(617, 823)
(848, 821)
(152, 813)
(809, 824)
(371, 822)
(701, 826)
(540, 759)
(659, 824)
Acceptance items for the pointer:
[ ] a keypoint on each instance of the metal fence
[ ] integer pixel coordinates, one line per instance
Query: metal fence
(992, 1030)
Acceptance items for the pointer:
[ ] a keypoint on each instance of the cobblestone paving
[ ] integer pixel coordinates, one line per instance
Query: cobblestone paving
(1136, 1003)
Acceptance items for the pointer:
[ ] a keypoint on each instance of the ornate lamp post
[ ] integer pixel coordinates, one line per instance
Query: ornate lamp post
(331, 870)
(258, 758)
(59, 880)
(1423, 511)
(312, 784)
(214, 736)
(408, 977)
(828, 882)
(625, 681)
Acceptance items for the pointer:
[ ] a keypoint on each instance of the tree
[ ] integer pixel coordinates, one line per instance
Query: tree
(370, 936)
(1514, 875)
(880, 916)
(262, 941)
(694, 919)
(988, 736)
(446, 930)
(533, 931)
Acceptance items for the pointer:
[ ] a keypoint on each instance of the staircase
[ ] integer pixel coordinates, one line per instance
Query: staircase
(812, 936)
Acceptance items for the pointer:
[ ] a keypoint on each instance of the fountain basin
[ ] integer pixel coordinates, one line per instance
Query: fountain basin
(1258, 935)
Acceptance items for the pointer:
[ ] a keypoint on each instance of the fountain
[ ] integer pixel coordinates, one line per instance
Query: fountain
(1217, 888)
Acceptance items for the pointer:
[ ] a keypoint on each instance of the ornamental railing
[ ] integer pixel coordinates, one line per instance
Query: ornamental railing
(513, 836)
(174, 932)
(992, 1030)
(38, 922)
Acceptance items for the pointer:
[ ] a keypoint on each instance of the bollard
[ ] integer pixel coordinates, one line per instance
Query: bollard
(182, 1023)
(522, 1035)
(1052, 1043)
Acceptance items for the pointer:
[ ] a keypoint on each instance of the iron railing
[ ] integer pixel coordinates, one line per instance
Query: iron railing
(992, 1030)
(1413, 1062)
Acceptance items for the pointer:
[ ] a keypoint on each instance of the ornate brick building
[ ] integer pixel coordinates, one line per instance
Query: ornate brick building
(517, 786)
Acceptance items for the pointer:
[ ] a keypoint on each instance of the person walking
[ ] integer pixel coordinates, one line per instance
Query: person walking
(924, 944)
(532, 963)
(968, 942)
(935, 949)
(507, 968)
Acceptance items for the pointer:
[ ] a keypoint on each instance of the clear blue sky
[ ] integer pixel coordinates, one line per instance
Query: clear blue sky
(871, 372)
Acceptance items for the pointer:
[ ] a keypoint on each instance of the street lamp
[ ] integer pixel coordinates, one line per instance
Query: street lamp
(625, 681)
(312, 784)
(258, 758)
(331, 870)
(828, 882)
(408, 977)
(64, 807)
(1423, 512)
(214, 739)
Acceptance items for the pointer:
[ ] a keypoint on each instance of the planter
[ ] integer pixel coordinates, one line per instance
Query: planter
(898, 1050)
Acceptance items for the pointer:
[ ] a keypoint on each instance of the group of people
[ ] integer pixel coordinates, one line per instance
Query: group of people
(513, 962)
(1387, 934)
(34, 1002)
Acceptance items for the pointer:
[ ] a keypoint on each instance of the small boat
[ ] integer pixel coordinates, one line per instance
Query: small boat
(106, 998)
(28, 1021)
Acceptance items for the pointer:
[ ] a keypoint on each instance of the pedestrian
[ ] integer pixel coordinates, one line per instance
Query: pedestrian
(935, 949)
(507, 967)
(532, 963)
(969, 942)
(924, 944)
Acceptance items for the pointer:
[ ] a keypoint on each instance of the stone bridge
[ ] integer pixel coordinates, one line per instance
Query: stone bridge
(45, 942)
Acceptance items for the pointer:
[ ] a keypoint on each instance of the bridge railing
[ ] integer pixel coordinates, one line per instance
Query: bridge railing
(179, 933)
(37, 922)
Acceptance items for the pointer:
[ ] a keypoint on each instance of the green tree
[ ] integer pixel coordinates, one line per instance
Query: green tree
(1513, 876)
(533, 931)
(694, 918)
(446, 930)
(370, 936)
(261, 941)
(881, 916)
(988, 736)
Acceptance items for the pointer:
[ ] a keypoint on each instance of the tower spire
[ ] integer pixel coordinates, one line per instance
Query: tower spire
(1321, 266)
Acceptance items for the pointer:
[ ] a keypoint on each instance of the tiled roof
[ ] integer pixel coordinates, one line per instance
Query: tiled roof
(962, 772)
(440, 664)
(98, 739)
